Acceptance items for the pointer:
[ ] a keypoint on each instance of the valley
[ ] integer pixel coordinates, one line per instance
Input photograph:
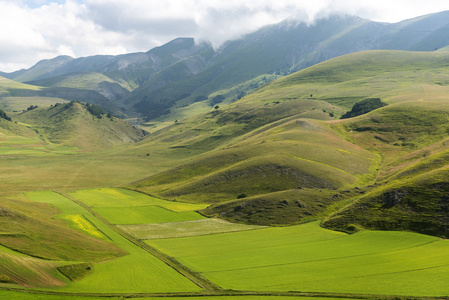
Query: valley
(327, 179)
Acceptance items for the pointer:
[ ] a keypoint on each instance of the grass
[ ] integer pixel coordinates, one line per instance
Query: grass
(21, 269)
(122, 206)
(220, 244)
(130, 273)
(72, 124)
(296, 206)
(144, 214)
(280, 156)
(284, 136)
(183, 229)
(76, 271)
(80, 222)
(22, 103)
(29, 296)
(78, 80)
(7, 84)
(34, 228)
(65, 205)
(308, 258)
(117, 197)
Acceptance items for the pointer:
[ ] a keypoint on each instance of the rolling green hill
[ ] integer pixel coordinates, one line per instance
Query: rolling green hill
(79, 125)
(279, 156)
(282, 142)
(87, 81)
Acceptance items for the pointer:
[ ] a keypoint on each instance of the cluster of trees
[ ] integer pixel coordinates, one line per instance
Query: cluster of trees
(95, 110)
(32, 107)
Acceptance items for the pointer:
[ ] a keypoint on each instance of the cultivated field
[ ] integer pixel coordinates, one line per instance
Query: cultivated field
(182, 229)
(309, 258)
(127, 274)
(302, 258)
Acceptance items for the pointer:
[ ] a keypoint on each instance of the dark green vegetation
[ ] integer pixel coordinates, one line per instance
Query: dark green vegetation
(363, 107)
(421, 206)
(3, 115)
(77, 271)
(280, 155)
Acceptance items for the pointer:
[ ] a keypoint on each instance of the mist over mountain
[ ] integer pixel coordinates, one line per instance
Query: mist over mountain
(182, 71)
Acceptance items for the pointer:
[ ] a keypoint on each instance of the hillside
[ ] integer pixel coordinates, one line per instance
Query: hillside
(91, 207)
(85, 127)
(282, 144)
(98, 82)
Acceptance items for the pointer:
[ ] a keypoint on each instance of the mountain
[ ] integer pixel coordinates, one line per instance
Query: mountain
(182, 72)
(288, 47)
(130, 70)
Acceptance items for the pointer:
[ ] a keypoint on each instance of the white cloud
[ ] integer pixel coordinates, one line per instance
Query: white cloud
(36, 29)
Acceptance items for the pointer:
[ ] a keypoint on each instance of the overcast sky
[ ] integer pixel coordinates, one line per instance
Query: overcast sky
(32, 30)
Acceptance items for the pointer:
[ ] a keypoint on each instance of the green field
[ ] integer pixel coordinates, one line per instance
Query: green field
(129, 273)
(183, 229)
(308, 258)
(121, 206)
(144, 214)
(29, 296)
(116, 197)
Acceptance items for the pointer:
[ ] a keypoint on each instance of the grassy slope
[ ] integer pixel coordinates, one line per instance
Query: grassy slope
(263, 144)
(89, 81)
(35, 240)
(26, 225)
(250, 151)
(71, 124)
(9, 101)
(6, 85)
(404, 140)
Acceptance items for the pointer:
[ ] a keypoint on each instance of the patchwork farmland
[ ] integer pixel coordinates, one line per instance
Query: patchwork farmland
(240, 258)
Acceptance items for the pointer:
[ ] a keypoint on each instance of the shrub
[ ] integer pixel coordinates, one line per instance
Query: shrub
(3, 115)
(363, 107)
(95, 110)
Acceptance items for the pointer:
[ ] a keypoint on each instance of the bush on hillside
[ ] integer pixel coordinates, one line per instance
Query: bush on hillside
(363, 107)
(3, 115)
(217, 100)
(95, 110)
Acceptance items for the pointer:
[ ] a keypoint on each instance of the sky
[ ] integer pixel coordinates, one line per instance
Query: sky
(32, 30)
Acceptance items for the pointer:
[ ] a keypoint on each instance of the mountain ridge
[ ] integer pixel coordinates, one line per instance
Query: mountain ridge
(182, 71)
